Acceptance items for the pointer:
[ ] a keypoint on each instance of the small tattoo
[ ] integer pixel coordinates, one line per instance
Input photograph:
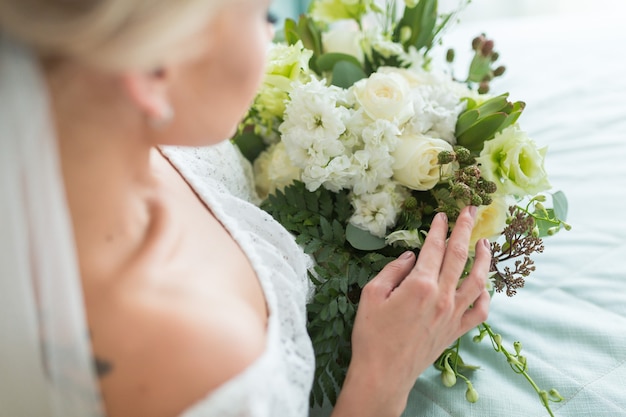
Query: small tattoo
(103, 367)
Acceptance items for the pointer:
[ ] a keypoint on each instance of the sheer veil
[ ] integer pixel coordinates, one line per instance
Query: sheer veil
(46, 367)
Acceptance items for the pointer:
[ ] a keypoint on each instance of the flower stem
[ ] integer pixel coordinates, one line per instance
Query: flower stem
(517, 366)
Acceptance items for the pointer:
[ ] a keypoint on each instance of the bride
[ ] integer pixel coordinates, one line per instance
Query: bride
(136, 277)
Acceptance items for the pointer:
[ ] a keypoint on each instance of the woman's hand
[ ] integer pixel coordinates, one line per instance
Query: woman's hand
(409, 313)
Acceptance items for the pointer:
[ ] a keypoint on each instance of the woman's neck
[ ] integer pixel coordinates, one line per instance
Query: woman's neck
(105, 158)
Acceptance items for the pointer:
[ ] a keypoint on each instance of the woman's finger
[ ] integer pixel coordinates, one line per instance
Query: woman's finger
(392, 274)
(475, 282)
(431, 255)
(457, 249)
(476, 314)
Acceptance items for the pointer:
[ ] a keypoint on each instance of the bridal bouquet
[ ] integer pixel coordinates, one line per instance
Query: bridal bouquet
(358, 139)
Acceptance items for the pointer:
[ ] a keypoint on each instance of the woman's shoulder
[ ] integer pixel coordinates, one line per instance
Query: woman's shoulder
(163, 354)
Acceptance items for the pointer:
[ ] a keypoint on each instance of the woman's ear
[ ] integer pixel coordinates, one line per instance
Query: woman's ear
(148, 91)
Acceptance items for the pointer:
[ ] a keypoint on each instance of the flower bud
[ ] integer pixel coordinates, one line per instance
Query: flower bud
(410, 203)
(541, 198)
(476, 200)
(448, 377)
(518, 347)
(489, 187)
(487, 47)
(471, 395)
(556, 397)
(539, 206)
(567, 226)
(450, 55)
(497, 340)
(514, 362)
(445, 157)
(463, 155)
(535, 231)
(405, 34)
(477, 42)
(499, 71)
(553, 230)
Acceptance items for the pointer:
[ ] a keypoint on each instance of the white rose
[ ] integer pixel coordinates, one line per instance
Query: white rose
(273, 170)
(343, 40)
(385, 96)
(416, 163)
(490, 221)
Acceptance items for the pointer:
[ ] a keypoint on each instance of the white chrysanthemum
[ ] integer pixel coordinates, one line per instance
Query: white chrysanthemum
(381, 135)
(371, 170)
(352, 136)
(437, 102)
(313, 124)
(334, 176)
(374, 212)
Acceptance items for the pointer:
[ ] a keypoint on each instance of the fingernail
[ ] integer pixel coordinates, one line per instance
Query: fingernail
(472, 210)
(443, 216)
(407, 255)
(486, 244)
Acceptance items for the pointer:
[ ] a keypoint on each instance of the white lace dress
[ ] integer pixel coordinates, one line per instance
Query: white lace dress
(278, 383)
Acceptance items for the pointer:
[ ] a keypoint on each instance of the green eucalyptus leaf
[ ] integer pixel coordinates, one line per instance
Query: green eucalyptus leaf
(427, 25)
(421, 21)
(346, 73)
(544, 225)
(362, 239)
(326, 62)
(250, 144)
(559, 202)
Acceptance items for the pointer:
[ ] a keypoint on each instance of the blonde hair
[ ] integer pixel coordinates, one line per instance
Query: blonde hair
(111, 34)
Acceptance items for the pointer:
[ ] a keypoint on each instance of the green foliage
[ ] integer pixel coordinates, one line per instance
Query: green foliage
(250, 144)
(318, 219)
(419, 23)
(479, 123)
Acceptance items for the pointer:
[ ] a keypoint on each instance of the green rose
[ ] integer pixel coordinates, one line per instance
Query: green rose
(286, 64)
(288, 61)
(512, 160)
(329, 11)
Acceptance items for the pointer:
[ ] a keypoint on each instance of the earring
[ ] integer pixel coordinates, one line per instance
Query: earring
(161, 117)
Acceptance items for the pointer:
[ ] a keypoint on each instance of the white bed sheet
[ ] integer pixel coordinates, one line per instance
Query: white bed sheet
(571, 316)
